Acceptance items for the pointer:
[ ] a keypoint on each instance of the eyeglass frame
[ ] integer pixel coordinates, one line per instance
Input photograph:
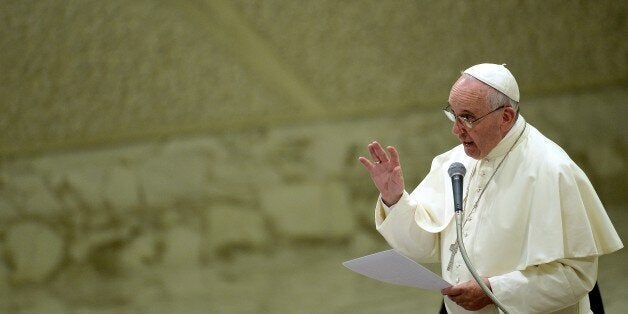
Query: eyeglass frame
(465, 121)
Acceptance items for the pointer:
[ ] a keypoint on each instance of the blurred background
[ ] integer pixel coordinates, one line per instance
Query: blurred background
(201, 156)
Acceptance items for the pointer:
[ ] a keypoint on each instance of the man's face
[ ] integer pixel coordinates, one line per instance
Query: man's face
(468, 99)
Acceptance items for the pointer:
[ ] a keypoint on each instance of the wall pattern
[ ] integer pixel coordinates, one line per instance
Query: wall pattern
(175, 156)
(92, 72)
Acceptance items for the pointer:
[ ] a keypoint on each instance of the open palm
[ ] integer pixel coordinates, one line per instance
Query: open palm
(385, 172)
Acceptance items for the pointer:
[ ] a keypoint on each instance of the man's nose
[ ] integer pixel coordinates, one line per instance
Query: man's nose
(457, 128)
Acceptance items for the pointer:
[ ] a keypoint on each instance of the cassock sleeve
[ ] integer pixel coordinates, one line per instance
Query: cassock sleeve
(401, 231)
(547, 287)
(413, 225)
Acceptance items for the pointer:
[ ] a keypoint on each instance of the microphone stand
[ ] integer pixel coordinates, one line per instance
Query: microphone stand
(474, 273)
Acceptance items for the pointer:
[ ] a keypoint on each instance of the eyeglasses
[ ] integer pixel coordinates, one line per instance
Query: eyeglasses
(466, 120)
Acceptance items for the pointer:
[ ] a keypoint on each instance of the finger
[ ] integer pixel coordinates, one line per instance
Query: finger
(455, 299)
(394, 155)
(367, 163)
(452, 291)
(380, 153)
(373, 153)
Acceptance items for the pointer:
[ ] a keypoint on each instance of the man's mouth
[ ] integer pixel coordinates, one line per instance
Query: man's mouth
(467, 143)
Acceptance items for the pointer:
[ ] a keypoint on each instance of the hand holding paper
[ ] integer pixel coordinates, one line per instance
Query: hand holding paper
(393, 267)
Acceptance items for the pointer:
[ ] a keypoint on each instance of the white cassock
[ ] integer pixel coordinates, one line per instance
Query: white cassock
(536, 232)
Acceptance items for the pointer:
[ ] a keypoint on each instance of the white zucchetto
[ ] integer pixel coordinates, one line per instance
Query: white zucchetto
(496, 76)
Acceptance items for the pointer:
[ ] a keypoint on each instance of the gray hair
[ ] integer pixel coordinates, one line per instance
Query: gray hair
(496, 99)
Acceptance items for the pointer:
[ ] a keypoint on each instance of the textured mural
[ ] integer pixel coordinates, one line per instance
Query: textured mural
(201, 156)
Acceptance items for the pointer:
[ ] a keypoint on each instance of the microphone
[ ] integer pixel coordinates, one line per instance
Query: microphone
(456, 172)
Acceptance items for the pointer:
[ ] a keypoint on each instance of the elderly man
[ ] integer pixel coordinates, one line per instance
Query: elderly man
(533, 225)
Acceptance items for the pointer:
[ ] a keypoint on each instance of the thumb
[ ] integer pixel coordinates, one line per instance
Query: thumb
(452, 291)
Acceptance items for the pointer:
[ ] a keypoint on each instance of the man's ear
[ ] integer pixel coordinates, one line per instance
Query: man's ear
(508, 118)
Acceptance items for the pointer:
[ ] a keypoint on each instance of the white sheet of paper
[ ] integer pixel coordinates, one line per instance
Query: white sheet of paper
(393, 267)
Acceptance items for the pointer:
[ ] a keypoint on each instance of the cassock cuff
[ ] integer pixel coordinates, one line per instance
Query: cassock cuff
(382, 210)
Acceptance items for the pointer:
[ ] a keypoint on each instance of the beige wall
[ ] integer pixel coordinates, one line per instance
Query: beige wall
(176, 155)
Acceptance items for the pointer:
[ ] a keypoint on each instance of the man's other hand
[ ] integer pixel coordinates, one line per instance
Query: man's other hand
(469, 295)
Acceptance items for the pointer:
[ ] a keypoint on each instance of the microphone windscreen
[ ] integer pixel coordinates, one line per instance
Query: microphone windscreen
(457, 168)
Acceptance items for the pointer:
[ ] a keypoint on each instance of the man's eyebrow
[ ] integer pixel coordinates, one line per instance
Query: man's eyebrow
(466, 112)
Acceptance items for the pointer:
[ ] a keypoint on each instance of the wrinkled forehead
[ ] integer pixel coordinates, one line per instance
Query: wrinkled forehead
(468, 93)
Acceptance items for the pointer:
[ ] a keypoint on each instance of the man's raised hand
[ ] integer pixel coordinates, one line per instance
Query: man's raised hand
(385, 172)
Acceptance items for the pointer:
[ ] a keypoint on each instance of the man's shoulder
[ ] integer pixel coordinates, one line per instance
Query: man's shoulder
(546, 154)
